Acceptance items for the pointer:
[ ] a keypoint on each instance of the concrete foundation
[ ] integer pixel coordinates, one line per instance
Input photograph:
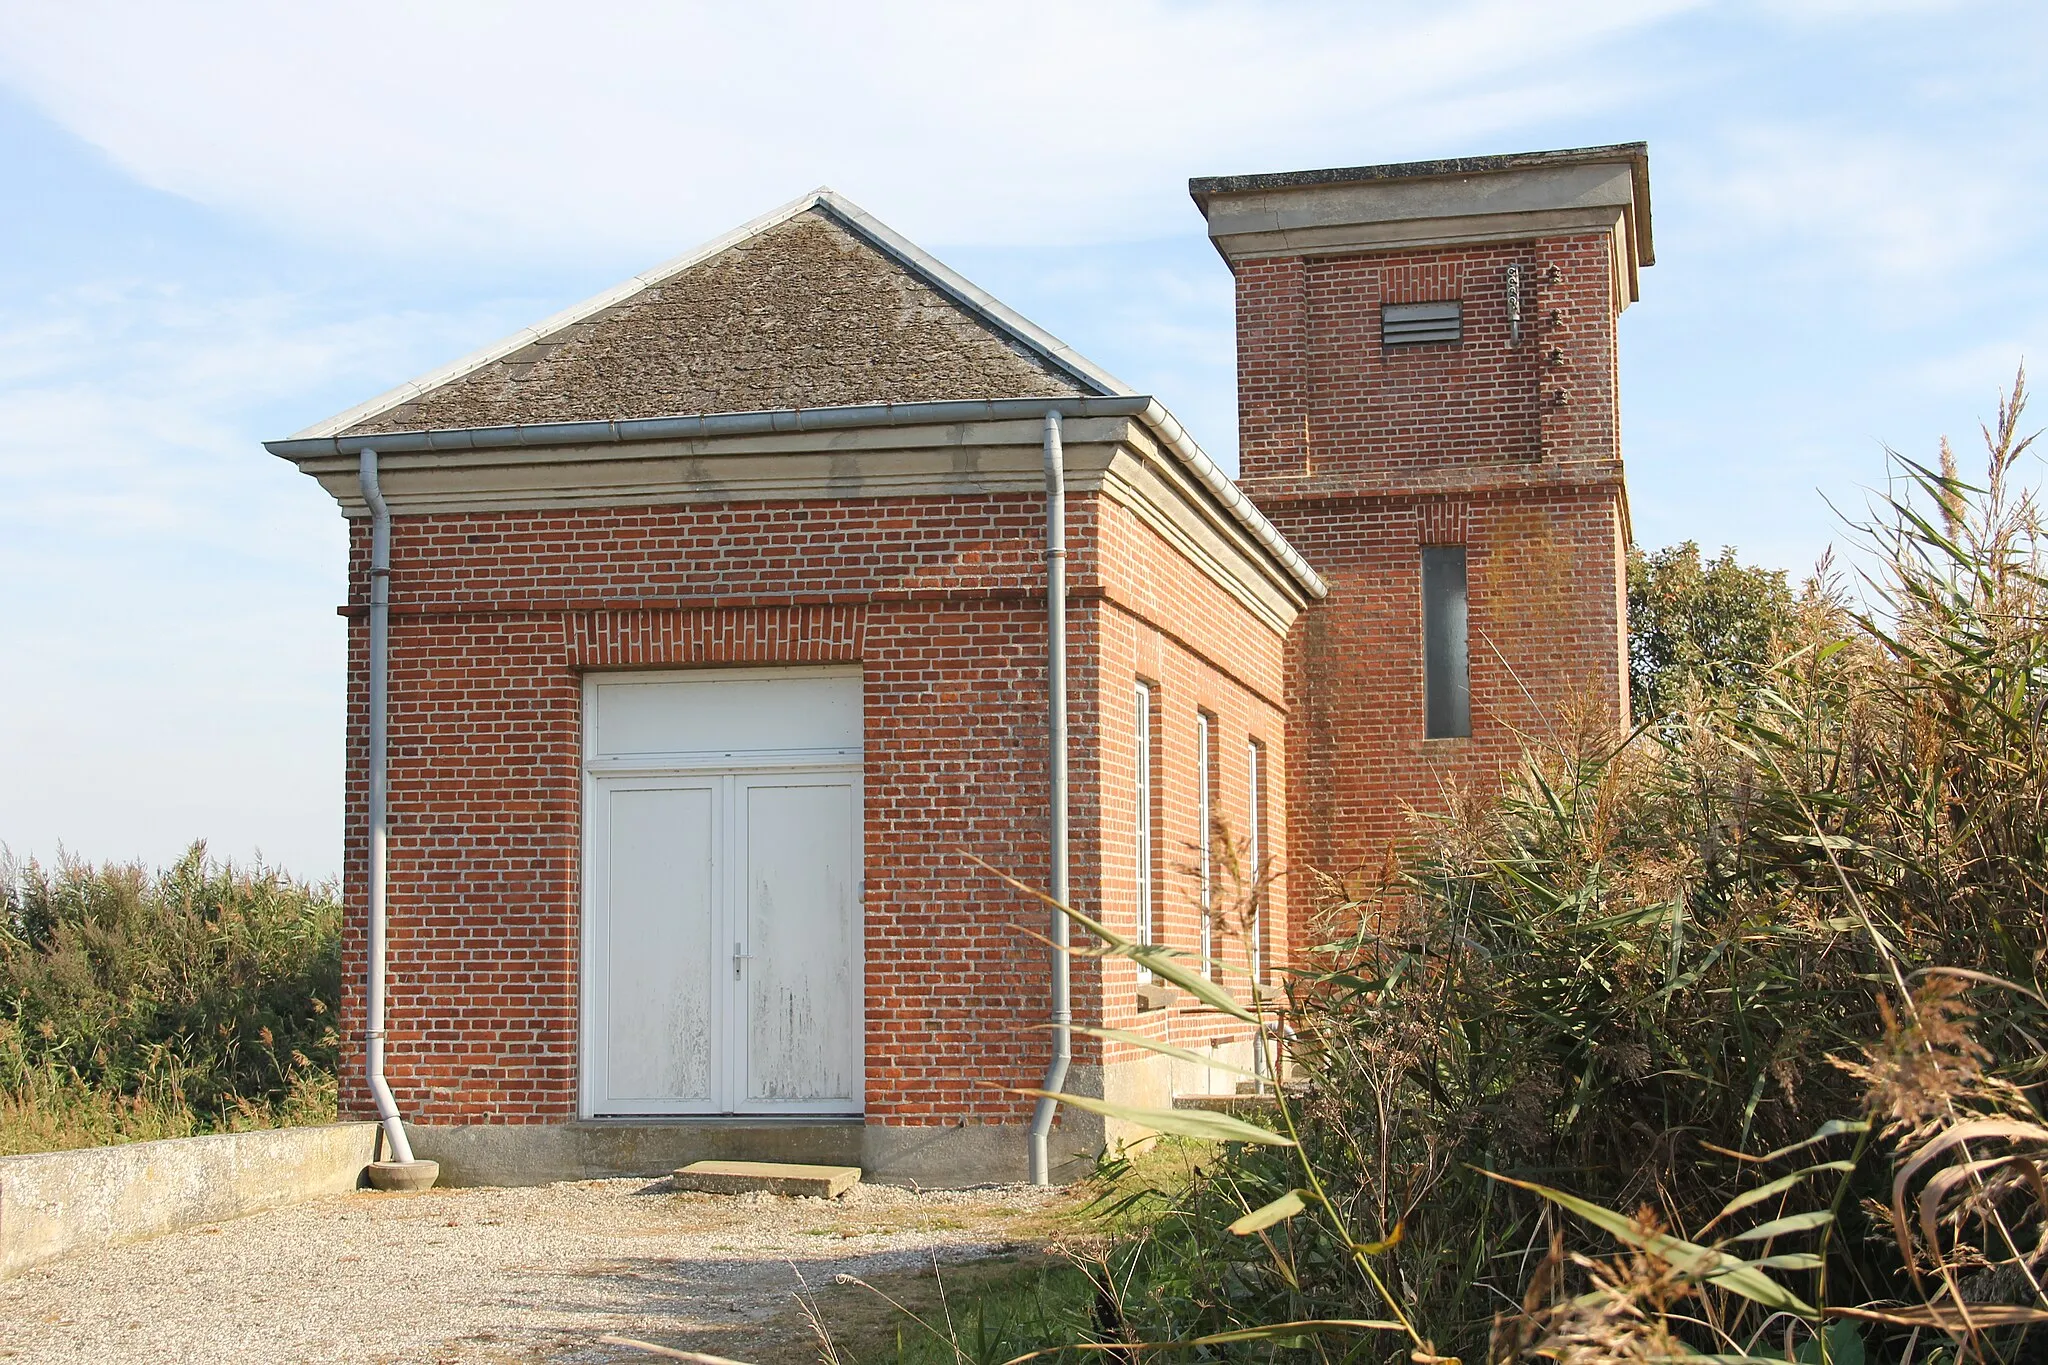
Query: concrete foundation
(934, 1157)
(56, 1203)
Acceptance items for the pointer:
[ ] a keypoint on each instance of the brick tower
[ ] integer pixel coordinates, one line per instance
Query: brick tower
(1428, 410)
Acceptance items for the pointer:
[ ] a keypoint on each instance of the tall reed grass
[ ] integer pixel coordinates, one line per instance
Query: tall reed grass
(1719, 1039)
(138, 1004)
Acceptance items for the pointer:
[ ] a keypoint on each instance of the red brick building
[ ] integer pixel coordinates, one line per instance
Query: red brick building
(718, 639)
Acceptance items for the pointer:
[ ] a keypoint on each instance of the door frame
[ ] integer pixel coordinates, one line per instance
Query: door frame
(732, 763)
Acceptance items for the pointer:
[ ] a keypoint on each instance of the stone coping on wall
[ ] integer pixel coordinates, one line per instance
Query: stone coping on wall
(54, 1204)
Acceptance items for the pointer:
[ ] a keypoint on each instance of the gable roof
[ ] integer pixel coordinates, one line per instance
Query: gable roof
(816, 304)
(770, 329)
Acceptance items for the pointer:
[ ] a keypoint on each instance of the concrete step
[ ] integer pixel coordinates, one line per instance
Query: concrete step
(1235, 1105)
(774, 1177)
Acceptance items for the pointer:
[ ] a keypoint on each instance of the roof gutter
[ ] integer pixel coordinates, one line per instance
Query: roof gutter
(706, 426)
(1167, 428)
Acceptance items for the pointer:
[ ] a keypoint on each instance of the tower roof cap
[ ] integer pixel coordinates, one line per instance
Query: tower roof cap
(1453, 201)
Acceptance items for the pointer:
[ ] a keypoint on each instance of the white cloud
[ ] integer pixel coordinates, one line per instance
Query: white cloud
(1833, 11)
(1890, 203)
(1980, 373)
(129, 403)
(172, 668)
(530, 124)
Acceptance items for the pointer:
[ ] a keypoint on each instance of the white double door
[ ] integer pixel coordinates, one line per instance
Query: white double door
(728, 936)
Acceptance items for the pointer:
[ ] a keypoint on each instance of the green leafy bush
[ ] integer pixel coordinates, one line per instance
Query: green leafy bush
(1700, 625)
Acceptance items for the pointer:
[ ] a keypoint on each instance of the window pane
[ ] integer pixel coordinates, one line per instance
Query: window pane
(1255, 852)
(1204, 818)
(1446, 661)
(1142, 794)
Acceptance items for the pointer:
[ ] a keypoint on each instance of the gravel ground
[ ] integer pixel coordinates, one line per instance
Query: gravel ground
(496, 1275)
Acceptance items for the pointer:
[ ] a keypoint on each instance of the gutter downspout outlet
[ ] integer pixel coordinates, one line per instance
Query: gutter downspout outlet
(401, 1171)
(1056, 715)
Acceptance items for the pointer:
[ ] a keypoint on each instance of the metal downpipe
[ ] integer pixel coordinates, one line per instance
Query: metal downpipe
(1056, 714)
(380, 632)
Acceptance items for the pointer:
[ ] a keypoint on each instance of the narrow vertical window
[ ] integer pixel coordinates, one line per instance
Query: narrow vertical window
(1446, 655)
(1141, 847)
(1205, 815)
(1255, 850)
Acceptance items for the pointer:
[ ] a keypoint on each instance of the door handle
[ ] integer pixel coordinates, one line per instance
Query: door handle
(739, 955)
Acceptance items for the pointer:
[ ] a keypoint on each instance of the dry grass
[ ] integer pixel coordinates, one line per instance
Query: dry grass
(49, 1113)
(977, 1313)
(138, 1005)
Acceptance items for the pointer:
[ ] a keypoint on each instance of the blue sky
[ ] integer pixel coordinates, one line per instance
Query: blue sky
(227, 220)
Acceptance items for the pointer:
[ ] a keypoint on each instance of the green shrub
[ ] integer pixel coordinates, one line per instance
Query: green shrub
(1697, 624)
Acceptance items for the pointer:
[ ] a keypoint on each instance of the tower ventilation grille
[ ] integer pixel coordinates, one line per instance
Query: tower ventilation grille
(1422, 324)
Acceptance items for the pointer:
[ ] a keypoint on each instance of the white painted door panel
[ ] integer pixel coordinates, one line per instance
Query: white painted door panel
(662, 901)
(804, 1049)
(723, 936)
(729, 710)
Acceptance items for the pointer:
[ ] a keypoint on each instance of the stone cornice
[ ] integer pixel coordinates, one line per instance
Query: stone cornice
(1414, 205)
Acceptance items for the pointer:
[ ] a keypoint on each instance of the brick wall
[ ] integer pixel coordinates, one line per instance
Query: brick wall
(1362, 455)
(1167, 625)
(496, 617)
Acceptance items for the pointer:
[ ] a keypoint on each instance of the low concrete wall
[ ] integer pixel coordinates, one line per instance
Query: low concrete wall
(55, 1203)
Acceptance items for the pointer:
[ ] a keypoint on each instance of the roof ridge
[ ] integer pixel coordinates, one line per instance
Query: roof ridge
(969, 295)
(991, 311)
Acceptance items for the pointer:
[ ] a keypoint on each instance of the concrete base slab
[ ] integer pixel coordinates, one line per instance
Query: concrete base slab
(772, 1177)
(937, 1156)
(930, 1155)
(535, 1154)
(402, 1175)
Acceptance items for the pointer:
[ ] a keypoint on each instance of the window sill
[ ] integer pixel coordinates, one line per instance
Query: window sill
(1156, 995)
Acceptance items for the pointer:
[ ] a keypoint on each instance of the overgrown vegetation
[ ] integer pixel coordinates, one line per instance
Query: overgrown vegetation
(974, 1313)
(1756, 992)
(136, 1005)
(1700, 626)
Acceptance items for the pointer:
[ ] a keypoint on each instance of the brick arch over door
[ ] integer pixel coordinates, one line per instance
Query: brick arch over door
(765, 635)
